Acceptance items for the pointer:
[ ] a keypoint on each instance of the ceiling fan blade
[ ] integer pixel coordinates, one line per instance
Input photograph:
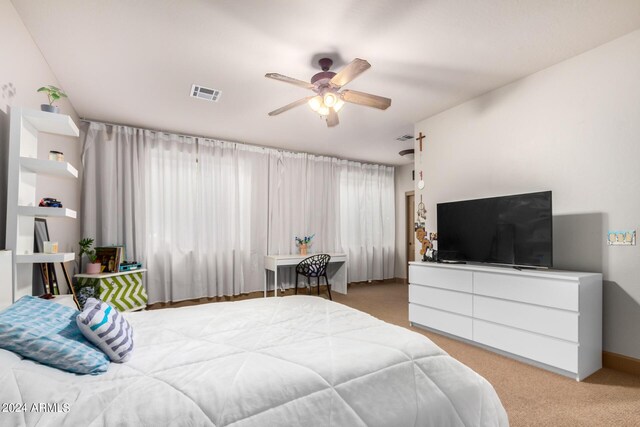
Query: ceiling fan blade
(332, 118)
(290, 106)
(350, 72)
(366, 99)
(290, 80)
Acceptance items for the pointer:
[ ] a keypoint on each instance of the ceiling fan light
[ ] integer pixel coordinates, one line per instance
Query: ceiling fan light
(330, 99)
(323, 110)
(315, 103)
(338, 106)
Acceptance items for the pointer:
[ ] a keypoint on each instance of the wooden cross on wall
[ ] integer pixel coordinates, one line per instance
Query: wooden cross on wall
(420, 138)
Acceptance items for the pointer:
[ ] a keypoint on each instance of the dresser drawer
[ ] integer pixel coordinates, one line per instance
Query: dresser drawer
(551, 351)
(443, 299)
(440, 277)
(451, 323)
(547, 321)
(535, 290)
(124, 291)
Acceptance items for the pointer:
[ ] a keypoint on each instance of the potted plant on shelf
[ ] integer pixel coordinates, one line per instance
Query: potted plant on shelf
(93, 267)
(54, 94)
(303, 244)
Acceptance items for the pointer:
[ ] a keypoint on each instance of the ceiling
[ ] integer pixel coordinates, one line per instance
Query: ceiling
(134, 62)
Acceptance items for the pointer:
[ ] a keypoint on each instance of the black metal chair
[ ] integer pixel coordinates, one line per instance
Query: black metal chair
(314, 266)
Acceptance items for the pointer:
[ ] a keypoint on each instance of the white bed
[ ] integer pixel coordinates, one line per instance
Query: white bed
(292, 361)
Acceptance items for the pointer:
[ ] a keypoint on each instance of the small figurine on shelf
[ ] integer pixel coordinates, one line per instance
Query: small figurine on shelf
(49, 202)
(57, 156)
(93, 267)
(304, 243)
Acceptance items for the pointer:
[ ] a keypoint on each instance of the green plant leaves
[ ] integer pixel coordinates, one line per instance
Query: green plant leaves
(53, 93)
(85, 248)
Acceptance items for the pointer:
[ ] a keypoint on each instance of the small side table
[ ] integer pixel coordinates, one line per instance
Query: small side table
(124, 290)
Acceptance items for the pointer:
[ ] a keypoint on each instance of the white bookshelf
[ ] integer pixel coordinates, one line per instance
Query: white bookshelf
(22, 206)
(43, 212)
(36, 258)
(48, 167)
(42, 121)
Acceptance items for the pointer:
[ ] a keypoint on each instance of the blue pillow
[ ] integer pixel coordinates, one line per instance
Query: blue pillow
(47, 332)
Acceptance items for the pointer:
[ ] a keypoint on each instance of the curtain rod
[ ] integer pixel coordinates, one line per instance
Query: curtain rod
(84, 119)
(164, 131)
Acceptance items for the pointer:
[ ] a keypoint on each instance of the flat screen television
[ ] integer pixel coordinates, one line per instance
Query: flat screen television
(514, 230)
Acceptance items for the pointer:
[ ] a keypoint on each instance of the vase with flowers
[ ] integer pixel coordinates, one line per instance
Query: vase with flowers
(304, 243)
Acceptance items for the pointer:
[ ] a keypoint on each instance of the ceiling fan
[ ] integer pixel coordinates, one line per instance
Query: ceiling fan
(329, 99)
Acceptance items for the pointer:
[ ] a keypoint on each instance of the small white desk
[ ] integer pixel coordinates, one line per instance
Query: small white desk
(336, 270)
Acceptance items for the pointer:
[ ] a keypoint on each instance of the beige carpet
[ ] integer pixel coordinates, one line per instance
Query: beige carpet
(532, 396)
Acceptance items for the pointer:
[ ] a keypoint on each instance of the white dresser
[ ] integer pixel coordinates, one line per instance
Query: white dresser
(552, 319)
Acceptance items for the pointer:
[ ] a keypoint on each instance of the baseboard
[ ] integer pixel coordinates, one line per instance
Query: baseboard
(620, 362)
(391, 280)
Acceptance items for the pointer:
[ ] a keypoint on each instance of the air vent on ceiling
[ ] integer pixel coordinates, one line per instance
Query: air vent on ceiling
(404, 138)
(205, 93)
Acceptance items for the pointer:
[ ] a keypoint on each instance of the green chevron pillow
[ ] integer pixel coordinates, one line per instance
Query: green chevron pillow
(105, 327)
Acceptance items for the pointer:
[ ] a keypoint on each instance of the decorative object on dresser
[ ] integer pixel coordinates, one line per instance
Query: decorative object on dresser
(124, 290)
(24, 171)
(551, 319)
(130, 266)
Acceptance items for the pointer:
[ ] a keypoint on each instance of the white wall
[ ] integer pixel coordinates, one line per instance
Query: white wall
(403, 183)
(24, 68)
(573, 128)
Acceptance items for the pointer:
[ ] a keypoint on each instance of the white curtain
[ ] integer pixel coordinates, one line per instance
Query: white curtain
(206, 219)
(367, 212)
(201, 214)
(303, 201)
(113, 186)
(302, 197)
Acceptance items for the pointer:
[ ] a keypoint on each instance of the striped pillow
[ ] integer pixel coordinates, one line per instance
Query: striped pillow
(106, 328)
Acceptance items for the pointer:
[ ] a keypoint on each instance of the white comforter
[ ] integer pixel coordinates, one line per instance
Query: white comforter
(292, 361)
